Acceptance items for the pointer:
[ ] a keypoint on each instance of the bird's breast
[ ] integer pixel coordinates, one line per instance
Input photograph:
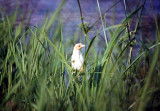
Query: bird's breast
(78, 61)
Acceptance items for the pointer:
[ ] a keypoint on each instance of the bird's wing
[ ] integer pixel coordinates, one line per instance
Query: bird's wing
(72, 58)
(73, 61)
(81, 58)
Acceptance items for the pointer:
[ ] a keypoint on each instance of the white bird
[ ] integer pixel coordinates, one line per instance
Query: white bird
(77, 57)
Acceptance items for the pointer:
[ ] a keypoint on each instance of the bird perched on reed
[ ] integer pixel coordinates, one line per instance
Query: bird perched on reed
(77, 57)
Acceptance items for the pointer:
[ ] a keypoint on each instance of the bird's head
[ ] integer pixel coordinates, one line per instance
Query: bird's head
(78, 46)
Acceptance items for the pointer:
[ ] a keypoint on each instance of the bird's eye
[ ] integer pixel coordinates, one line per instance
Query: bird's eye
(79, 46)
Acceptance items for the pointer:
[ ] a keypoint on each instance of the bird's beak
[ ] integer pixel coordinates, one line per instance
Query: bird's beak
(82, 45)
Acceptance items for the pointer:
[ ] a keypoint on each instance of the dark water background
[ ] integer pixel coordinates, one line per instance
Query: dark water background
(70, 11)
(70, 16)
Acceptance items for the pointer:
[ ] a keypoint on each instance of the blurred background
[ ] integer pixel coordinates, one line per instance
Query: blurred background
(112, 11)
(70, 15)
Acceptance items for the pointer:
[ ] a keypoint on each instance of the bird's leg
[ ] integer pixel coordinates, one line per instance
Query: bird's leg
(81, 69)
(73, 72)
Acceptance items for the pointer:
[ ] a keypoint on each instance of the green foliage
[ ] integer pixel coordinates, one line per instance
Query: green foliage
(35, 71)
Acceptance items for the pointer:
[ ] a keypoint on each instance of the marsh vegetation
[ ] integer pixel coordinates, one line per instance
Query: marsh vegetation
(36, 73)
